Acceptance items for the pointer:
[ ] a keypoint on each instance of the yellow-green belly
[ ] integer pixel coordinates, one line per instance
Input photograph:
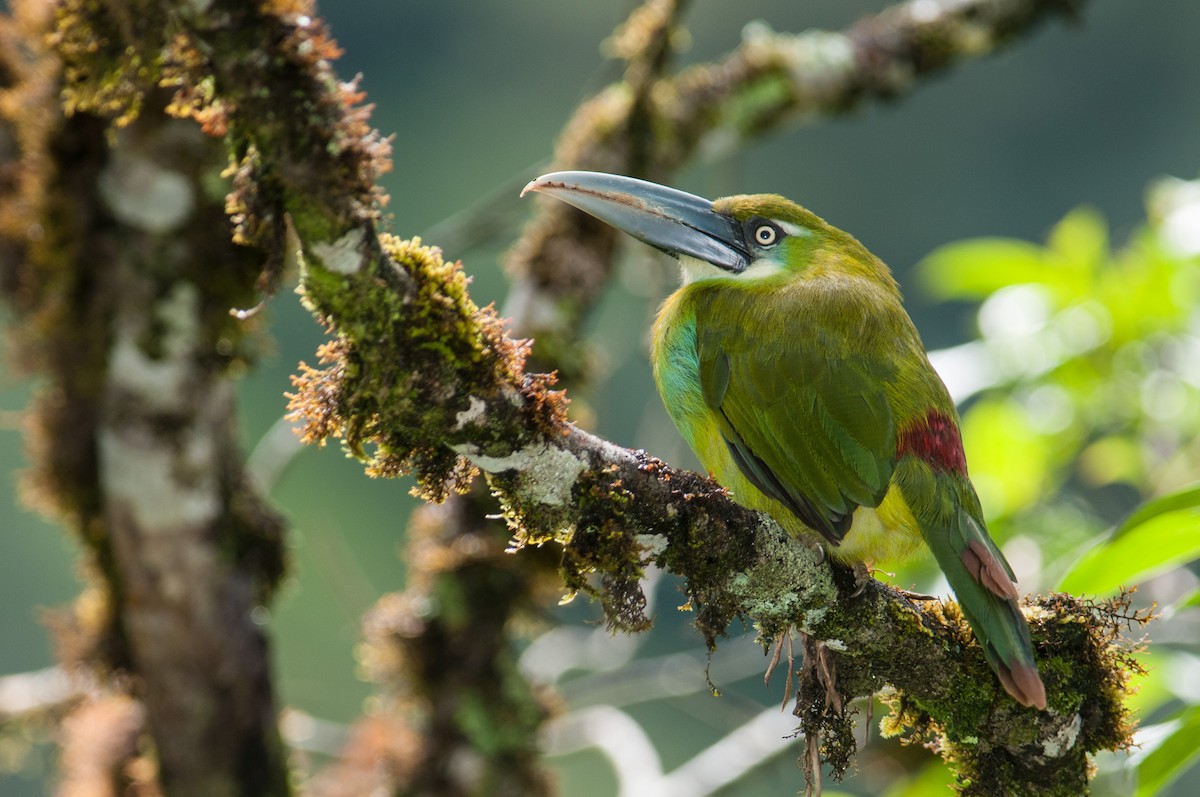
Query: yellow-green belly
(887, 533)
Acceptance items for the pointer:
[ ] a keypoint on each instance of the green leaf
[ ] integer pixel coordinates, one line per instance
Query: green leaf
(1171, 756)
(1010, 461)
(1186, 498)
(978, 267)
(1080, 239)
(931, 779)
(1189, 601)
(1157, 536)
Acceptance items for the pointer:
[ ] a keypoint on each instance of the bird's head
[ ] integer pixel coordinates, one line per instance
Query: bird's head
(745, 237)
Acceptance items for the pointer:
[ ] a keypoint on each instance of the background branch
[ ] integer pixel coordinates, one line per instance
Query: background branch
(564, 257)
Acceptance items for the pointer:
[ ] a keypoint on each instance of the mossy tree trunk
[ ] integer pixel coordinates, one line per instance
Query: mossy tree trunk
(122, 298)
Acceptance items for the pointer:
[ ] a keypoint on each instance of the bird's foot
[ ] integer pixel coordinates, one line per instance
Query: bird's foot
(862, 577)
(813, 543)
(865, 571)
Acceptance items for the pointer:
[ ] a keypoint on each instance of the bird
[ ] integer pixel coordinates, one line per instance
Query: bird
(788, 363)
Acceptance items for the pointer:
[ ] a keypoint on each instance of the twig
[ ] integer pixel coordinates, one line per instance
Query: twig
(44, 691)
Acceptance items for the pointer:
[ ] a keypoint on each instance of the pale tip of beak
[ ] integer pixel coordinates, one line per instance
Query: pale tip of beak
(532, 185)
(544, 182)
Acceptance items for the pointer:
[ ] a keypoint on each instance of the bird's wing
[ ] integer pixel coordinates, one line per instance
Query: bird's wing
(809, 426)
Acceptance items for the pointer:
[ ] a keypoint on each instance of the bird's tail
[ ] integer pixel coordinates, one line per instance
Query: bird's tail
(986, 590)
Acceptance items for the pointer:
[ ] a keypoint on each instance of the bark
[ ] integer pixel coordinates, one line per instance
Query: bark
(193, 546)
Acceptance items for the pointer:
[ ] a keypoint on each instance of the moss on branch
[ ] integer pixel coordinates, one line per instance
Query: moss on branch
(411, 377)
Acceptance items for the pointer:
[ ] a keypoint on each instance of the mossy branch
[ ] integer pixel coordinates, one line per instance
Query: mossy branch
(614, 512)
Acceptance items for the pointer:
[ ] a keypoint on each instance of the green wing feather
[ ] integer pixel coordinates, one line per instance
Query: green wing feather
(809, 428)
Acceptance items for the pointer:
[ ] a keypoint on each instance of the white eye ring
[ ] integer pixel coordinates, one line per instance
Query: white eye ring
(765, 235)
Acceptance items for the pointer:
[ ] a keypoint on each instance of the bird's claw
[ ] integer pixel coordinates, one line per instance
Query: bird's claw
(815, 546)
(862, 577)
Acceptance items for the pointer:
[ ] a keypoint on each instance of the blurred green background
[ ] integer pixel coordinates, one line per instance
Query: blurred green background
(1087, 113)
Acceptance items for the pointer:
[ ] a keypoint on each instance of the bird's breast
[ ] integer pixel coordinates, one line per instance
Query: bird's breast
(881, 534)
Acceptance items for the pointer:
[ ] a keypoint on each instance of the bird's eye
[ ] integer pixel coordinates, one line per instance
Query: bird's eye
(763, 233)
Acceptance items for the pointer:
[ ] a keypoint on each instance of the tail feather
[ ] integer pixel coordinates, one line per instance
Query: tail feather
(987, 593)
(1024, 684)
(984, 567)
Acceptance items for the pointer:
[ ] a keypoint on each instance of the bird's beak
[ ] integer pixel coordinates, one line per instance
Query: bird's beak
(676, 222)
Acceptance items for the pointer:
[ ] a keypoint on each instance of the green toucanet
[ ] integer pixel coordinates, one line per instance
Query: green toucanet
(789, 365)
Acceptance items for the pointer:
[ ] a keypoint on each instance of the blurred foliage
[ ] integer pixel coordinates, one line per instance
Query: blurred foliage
(1093, 396)
(1166, 759)
(1159, 535)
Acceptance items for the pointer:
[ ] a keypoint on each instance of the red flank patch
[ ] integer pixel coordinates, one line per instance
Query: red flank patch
(934, 439)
